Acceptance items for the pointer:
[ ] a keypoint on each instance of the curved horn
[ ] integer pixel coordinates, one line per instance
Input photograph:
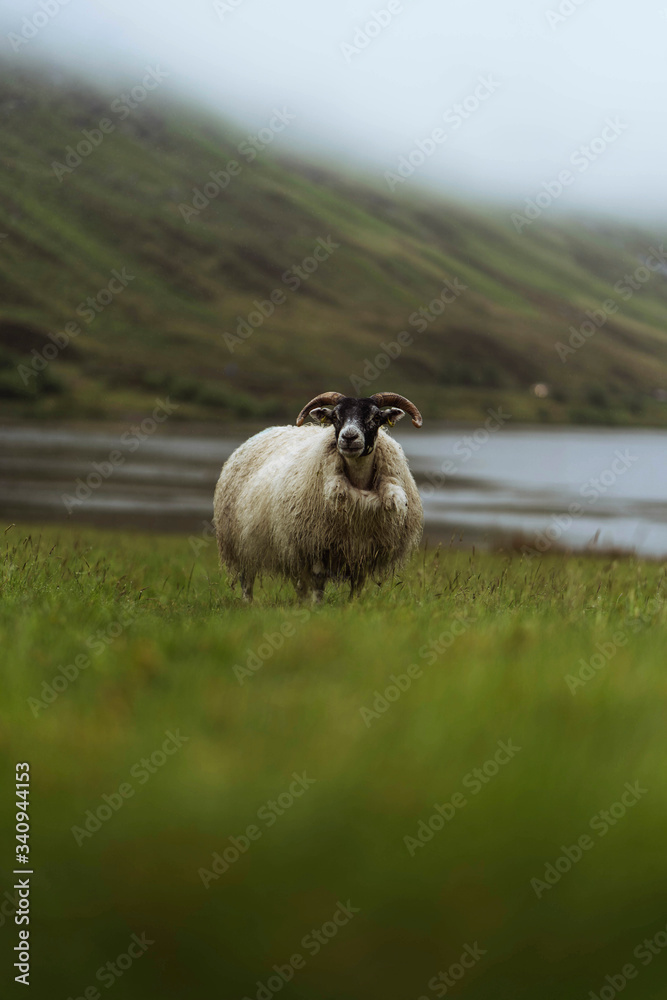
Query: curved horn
(324, 399)
(393, 399)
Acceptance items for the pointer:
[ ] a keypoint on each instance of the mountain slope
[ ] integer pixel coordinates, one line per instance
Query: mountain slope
(169, 291)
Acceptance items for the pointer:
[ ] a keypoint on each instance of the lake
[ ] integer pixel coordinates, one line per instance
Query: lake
(537, 487)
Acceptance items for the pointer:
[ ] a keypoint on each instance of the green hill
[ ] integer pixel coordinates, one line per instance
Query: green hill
(150, 288)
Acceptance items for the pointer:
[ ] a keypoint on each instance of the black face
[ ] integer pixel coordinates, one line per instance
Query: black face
(356, 423)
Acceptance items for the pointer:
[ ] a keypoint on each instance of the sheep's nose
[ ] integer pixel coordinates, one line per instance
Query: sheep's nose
(349, 435)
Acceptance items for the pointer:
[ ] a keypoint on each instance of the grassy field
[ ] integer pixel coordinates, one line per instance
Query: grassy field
(519, 696)
(191, 277)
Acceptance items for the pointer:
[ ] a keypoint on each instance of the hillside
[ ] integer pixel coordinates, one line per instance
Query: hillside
(149, 289)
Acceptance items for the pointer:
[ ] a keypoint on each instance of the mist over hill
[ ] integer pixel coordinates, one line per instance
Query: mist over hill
(149, 251)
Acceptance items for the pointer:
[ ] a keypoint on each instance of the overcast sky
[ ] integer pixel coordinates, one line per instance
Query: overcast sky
(554, 81)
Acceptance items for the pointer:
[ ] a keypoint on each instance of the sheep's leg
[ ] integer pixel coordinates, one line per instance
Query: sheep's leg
(311, 584)
(392, 497)
(315, 581)
(357, 582)
(247, 583)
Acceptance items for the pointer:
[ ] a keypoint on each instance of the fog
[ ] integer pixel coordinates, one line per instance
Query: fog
(520, 91)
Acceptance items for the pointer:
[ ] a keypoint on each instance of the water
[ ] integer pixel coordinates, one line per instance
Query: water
(572, 487)
(532, 486)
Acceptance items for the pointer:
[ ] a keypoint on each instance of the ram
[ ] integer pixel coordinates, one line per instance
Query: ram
(316, 503)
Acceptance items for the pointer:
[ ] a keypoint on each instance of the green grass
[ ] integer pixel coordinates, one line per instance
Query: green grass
(162, 334)
(524, 626)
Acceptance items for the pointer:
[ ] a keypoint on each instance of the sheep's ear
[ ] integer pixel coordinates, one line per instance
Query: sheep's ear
(321, 415)
(391, 415)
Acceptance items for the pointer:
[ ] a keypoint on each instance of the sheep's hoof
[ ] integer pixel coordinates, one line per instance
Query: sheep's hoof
(396, 500)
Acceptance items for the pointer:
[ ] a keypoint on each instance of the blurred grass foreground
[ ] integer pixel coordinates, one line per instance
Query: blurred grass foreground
(454, 785)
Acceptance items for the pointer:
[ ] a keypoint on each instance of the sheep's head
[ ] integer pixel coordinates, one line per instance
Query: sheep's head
(356, 422)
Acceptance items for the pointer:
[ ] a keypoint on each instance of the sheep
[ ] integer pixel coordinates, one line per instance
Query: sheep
(317, 503)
